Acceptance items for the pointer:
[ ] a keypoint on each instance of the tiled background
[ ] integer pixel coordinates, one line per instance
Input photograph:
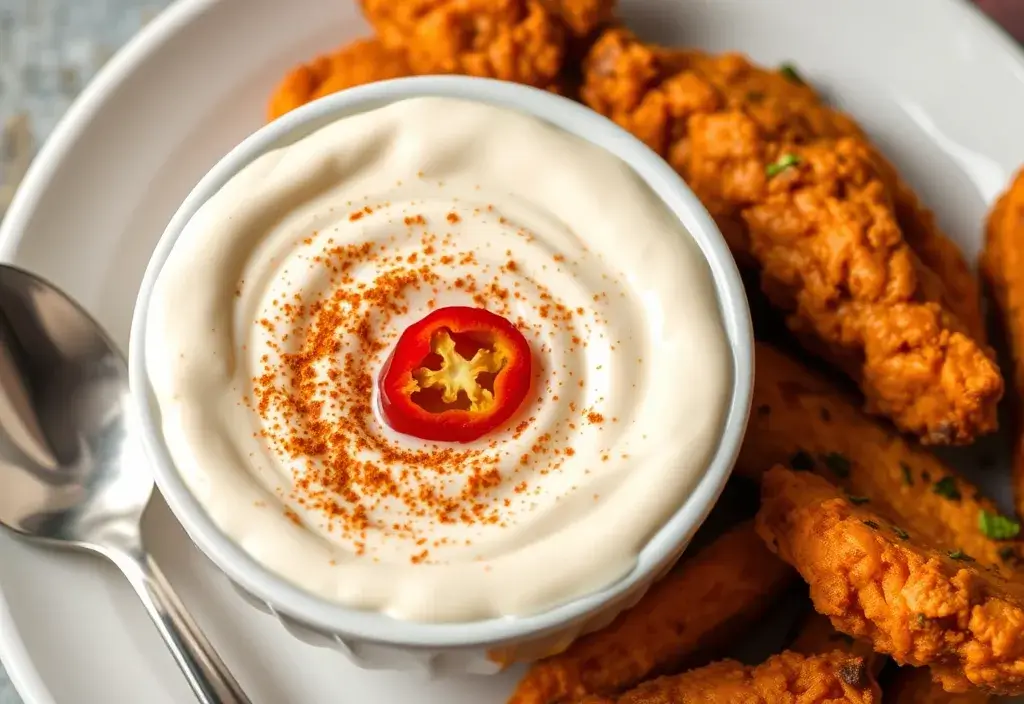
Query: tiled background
(49, 49)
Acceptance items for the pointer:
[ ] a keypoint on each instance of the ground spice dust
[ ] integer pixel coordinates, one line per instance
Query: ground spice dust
(315, 388)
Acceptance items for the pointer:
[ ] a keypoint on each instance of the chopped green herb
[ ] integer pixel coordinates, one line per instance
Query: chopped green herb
(960, 555)
(781, 164)
(790, 73)
(1007, 554)
(900, 533)
(870, 524)
(908, 477)
(998, 527)
(947, 488)
(838, 463)
(858, 500)
(802, 461)
(920, 619)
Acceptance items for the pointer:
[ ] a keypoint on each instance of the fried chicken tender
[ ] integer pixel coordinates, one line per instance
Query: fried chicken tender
(875, 581)
(512, 40)
(582, 17)
(803, 420)
(914, 685)
(841, 243)
(362, 61)
(1002, 262)
(787, 678)
(817, 636)
(693, 609)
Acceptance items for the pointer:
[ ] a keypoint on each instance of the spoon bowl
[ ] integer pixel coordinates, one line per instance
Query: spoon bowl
(72, 474)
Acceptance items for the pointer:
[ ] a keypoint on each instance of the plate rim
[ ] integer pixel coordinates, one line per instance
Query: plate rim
(17, 662)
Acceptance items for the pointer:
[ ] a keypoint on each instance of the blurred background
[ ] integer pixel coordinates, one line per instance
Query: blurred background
(49, 49)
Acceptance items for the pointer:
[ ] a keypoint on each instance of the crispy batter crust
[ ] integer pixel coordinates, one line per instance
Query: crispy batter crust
(800, 418)
(817, 636)
(787, 678)
(1002, 262)
(840, 241)
(922, 606)
(582, 17)
(914, 685)
(512, 40)
(362, 61)
(732, 580)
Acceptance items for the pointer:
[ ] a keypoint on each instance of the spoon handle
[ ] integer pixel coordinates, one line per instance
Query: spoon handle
(206, 673)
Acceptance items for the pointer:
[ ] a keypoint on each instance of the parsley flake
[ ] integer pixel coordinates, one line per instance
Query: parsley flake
(858, 500)
(960, 555)
(900, 533)
(997, 527)
(802, 461)
(920, 619)
(781, 164)
(946, 487)
(870, 524)
(790, 73)
(838, 463)
(908, 477)
(1007, 554)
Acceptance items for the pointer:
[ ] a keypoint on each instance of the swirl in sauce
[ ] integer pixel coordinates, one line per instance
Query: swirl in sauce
(282, 298)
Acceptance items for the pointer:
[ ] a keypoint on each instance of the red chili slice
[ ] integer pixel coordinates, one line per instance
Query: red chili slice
(455, 375)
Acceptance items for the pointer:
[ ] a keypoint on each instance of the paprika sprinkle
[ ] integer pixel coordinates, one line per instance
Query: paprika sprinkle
(395, 361)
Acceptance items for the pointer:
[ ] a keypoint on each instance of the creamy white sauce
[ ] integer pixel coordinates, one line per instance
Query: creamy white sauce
(466, 204)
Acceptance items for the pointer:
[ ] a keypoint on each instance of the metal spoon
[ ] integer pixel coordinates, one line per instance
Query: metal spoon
(71, 473)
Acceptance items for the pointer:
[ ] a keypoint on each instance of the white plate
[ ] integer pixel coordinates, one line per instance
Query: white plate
(939, 86)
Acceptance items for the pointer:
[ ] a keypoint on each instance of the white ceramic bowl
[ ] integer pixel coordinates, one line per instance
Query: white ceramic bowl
(379, 641)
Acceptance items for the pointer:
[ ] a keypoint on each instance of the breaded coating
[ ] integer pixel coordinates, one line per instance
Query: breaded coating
(582, 17)
(914, 685)
(817, 636)
(362, 61)
(697, 606)
(654, 91)
(875, 581)
(512, 40)
(839, 241)
(803, 420)
(938, 253)
(787, 678)
(1002, 262)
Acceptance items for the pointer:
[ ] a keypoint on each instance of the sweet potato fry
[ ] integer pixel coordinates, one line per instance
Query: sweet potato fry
(702, 601)
(787, 678)
(1002, 262)
(876, 581)
(803, 420)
